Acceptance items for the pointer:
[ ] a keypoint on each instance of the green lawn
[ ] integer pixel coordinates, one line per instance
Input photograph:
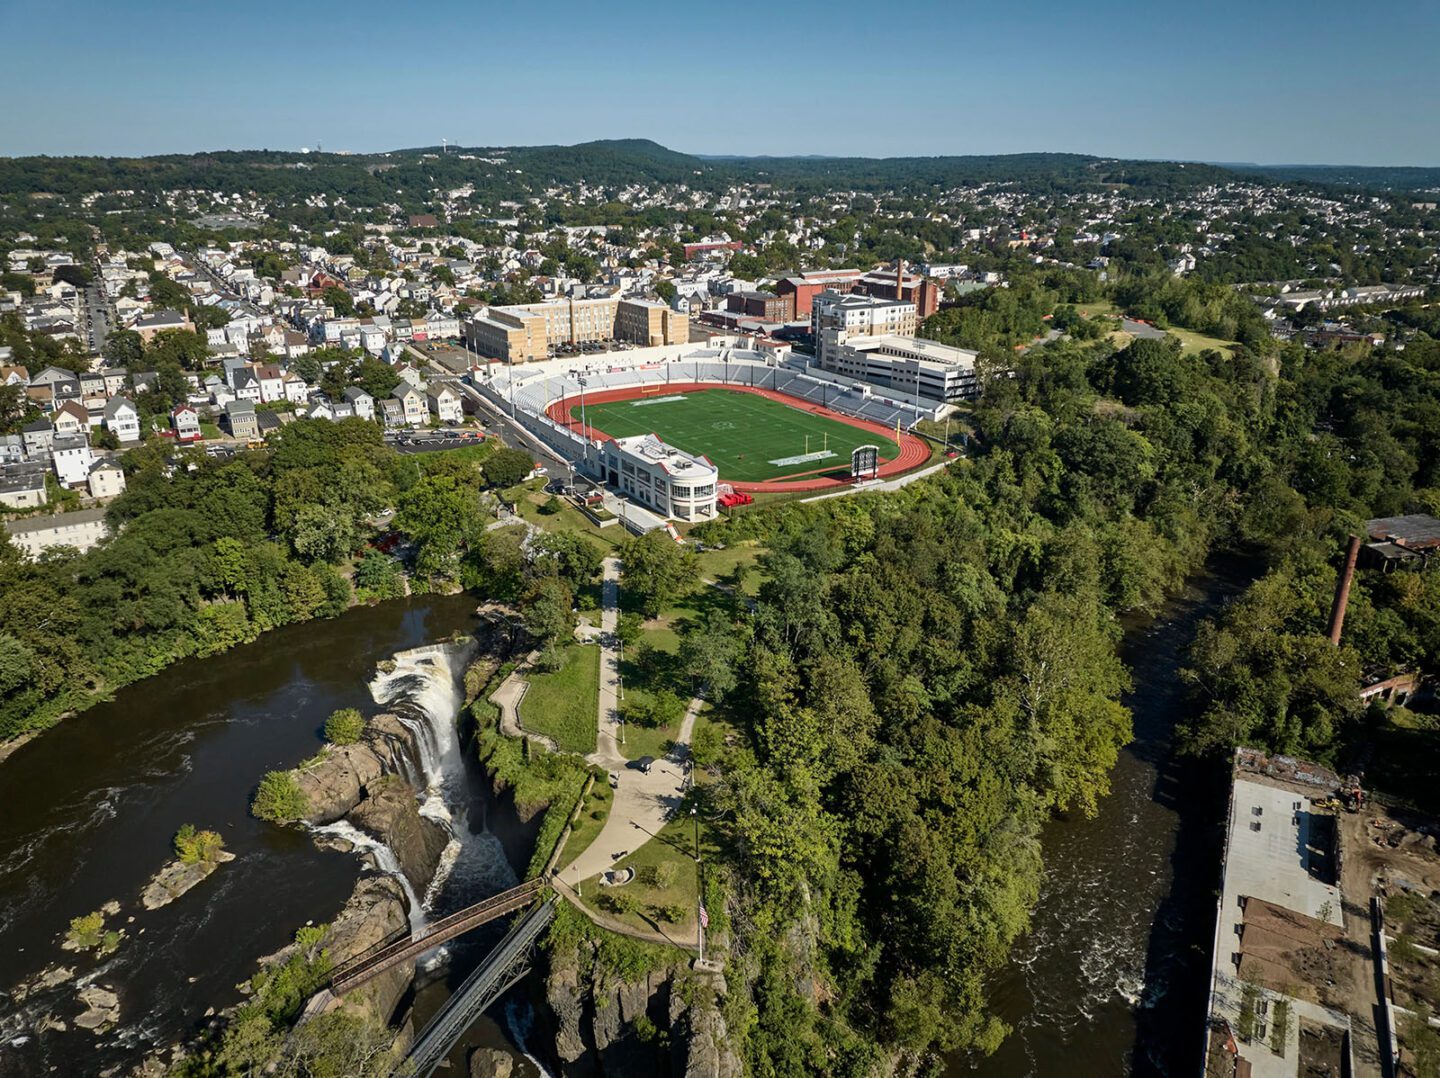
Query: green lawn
(210, 430)
(644, 900)
(741, 433)
(563, 705)
(1190, 341)
(592, 819)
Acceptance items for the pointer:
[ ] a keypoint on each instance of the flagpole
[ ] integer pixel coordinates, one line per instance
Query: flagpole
(699, 885)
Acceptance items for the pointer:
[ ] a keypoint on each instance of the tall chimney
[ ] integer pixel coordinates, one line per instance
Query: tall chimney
(1342, 591)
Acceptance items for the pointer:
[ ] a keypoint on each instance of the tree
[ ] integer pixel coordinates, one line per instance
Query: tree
(443, 518)
(181, 348)
(506, 466)
(336, 297)
(710, 654)
(570, 555)
(123, 348)
(344, 727)
(279, 798)
(195, 847)
(549, 610)
(656, 570)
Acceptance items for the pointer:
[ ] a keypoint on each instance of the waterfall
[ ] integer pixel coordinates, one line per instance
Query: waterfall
(424, 689)
(385, 861)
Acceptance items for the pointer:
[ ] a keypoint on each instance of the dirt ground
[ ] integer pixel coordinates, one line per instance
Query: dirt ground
(1393, 854)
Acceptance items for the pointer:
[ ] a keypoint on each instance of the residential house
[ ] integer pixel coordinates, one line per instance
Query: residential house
(38, 437)
(12, 448)
(122, 419)
(159, 321)
(240, 417)
(70, 418)
(296, 388)
(247, 386)
(392, 413)
(14, 376)
(412, 404)
(272, 382)
(81, 530)
(362, 402)
(186, 422)
(22, 487)
(71, 456)
(107, 480)
(444, 402)
(115, 379)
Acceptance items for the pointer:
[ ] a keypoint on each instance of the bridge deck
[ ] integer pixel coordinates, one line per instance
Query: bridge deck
(372, 963)
(505, 965)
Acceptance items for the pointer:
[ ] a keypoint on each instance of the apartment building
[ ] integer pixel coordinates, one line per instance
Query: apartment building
(647, 322)
(861, 316)
(520, 334)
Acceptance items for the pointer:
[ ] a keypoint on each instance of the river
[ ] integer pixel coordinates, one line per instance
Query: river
(1111, 979)
(88, 809)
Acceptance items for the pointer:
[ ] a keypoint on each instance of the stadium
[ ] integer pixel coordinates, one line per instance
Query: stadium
(761, 424)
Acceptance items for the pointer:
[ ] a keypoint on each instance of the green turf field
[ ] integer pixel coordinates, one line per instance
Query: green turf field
(740, 432)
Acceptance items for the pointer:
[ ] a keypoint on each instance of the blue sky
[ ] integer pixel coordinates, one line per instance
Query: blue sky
(1291, 82)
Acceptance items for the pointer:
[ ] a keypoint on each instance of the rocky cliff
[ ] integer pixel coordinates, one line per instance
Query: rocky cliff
(668, 1023)
(375, 909)
(335, 782)
(390, 812)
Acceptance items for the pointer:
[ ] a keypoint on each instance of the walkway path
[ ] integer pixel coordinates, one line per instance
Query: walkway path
(507, 698)
(643, 802)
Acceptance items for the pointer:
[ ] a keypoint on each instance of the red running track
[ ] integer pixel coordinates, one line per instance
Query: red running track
(914, 451)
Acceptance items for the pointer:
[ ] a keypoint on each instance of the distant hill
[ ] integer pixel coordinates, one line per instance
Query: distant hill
(1371, 177)
(409, 175)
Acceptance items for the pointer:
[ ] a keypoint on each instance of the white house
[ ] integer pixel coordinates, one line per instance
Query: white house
(444, 403)
(72, 459)
(362, 402)
(272, 382)
(186, 422)
(122, 419)
(412, 403)
(296, 390)
(107, 480)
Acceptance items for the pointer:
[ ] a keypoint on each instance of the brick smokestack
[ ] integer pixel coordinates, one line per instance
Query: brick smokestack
(1342, 591)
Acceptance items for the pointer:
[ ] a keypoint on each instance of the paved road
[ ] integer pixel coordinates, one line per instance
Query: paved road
(99, 319)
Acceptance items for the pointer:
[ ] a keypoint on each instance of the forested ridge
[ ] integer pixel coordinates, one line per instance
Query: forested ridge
(930, 674)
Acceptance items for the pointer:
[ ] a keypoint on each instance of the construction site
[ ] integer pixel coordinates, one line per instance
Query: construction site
(1325, 959)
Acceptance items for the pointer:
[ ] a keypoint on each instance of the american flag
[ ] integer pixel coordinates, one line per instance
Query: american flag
(704, 917)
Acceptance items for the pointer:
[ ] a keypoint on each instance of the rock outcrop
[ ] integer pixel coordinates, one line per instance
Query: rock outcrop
(390, 813)
(595, 1031)
(491, 1063)
(177, 877)
(375, 910)
(102, 1008)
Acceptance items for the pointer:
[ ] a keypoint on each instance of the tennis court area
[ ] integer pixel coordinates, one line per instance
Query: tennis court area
(749, 437)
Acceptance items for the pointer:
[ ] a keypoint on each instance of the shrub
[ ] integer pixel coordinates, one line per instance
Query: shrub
(193, 846)
(345, 727)
(86, 932)
(674, 914)
(279, 798)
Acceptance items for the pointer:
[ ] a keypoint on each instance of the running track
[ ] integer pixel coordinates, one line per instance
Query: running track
(914, 451)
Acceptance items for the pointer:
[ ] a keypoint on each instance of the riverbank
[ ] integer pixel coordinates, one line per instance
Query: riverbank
(1113, 973)
(88, 812)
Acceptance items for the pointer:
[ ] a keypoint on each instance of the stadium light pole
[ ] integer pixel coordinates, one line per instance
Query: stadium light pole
(584, 425)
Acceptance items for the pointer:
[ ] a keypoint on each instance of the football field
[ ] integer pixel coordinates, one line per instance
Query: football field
(750, 438)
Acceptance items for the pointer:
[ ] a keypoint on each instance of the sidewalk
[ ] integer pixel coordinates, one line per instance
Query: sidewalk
(643, 802)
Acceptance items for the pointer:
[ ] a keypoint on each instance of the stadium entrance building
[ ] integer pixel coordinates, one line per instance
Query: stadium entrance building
(660, 477)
